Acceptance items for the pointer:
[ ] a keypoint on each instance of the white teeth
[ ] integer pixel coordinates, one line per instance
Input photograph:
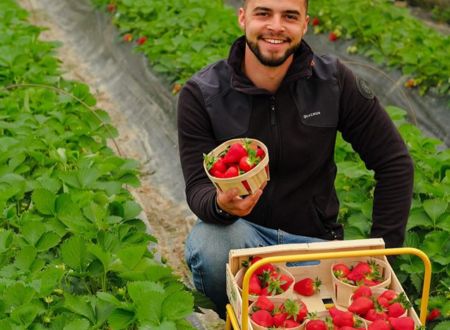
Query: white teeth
(274, 41)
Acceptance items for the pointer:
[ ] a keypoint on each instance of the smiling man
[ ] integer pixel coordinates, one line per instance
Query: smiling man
(274, 88)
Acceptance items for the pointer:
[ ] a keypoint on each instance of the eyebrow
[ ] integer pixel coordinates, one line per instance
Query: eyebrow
(295, 12)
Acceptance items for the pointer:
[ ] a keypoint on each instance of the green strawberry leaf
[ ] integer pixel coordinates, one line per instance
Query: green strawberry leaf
(435, 208)
(44, 201)
(78, 324)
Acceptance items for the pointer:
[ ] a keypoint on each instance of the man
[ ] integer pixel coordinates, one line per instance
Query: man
(274, 88)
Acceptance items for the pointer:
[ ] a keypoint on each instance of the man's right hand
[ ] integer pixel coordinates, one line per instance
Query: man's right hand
(230, 201)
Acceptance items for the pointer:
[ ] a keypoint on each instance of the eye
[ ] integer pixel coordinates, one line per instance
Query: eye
(292, 17)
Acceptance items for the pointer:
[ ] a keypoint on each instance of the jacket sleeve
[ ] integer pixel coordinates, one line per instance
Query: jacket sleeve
(195, 138)
(368, 128)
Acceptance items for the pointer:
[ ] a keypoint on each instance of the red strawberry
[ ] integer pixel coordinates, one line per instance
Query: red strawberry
(379, 325)
(260, 153)
(269, 268)
(290, 324)
(141, 40)
(286, 281)
(235, 152)
(362, 268)
(362, 291)
(214, 164)
(434, 314)
(316, 325)
(396, 310)
(111, 7)
(402, 323)
(389, 294)
(264, 303)
(346, 327)
(315, 21)
(262, 318)
(217, 174)
(382, 301)
(361, 305)
(295, 310)
(247, 163)
(307, 286)
(340, 270)
(369, 282)
(231, 172)
(279, 318)
(375, 314)
(254, 285)
(342, 318)
(127, 37)
(332, 36)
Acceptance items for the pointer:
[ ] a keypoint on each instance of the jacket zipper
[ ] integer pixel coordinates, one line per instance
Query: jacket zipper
(273, 120)
(274, 138)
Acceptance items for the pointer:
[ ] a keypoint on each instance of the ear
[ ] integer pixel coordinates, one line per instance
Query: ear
(305, 28)
(241, 18)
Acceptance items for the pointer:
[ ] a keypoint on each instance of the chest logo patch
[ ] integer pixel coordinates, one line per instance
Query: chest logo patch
(312, 114)
(364, 88)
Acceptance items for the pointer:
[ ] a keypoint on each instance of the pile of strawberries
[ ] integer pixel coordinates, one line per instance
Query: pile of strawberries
(386, 310)
(268, 280)
(237, 159)
(363, 273)
(289, 314)
(338, 320)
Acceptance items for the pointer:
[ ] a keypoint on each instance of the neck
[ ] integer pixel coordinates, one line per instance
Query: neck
(262, 76)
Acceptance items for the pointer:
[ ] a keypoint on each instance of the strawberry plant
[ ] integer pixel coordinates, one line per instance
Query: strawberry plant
(73, 251)
(390, 36)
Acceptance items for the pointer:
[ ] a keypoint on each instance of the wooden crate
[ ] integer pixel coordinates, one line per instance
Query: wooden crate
(322, 270)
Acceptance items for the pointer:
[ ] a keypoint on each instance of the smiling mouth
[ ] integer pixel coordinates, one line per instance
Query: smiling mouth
(274, 41)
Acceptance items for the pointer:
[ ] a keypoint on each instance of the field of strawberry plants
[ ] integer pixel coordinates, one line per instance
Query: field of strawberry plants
(73, 250)
(387, 34)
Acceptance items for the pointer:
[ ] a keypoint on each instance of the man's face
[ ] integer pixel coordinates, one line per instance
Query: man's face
(273, 28)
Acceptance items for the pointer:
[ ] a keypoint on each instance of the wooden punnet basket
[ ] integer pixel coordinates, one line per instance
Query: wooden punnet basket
(324, 254)
(247, 183)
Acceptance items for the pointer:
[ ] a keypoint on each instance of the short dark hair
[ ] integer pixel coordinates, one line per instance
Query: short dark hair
(245, 4)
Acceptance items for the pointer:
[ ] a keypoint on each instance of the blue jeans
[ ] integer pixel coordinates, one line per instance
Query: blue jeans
(208, 245)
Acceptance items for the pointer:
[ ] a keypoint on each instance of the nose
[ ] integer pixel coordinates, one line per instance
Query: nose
(276, 23)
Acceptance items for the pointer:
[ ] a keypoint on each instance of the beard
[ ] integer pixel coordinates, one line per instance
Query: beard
(270, 61)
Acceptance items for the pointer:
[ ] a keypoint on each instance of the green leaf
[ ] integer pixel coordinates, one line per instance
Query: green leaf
(25, 258)
(47, 241)
(178, 305)
(17, 295)
(73, 252)
(79, 305)
(445, 325)
(48, 280)
(105, 257)
(33, 231)
(130, 256)
(25, 314)
(78, 324)
(436, 243)
(418, 218)
(131, 210)
(435, 208)
(6, 239)
(148, 298)
(121, 318)
(44, 201)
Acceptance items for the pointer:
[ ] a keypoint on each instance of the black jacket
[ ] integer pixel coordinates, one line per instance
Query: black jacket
(318, 97)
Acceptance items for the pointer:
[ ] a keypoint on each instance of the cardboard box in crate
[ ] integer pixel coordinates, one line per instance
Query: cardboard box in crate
(321, 269)
(247, 183)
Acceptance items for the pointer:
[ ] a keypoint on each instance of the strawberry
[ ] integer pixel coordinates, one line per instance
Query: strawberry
(214, 164)
(402, 323)
(346, 327)
(260, 153)
(315, 21)
(332, 36)
(341, 318)
(379, 325)
(254, 285)
(362, 268)
(111, 7)
(382, 301)
(389, 294)
(307, 286)
(264, 303)
(361, 305)
(369, 282)
(340, 270)
(286, 281)
(362, 291)
(376, 314)
(234, 153)
(398, 305)
(269, 268)
(128, 37)
(396, 310)
(316, 325)
(231, 172)
(434, 314)
(295, 310)
(289, 323)
(279, 318)
(262, 318)
(247, 163)
(141, 40)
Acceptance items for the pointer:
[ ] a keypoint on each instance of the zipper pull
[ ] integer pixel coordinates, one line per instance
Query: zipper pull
(272, 111)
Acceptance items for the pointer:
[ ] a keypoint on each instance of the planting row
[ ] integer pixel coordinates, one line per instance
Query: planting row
(73, 250)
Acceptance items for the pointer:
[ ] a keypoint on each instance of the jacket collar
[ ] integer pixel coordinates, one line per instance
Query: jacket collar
(301, 67)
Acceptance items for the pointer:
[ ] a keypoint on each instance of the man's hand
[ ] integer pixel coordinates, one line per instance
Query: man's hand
(230, 202)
